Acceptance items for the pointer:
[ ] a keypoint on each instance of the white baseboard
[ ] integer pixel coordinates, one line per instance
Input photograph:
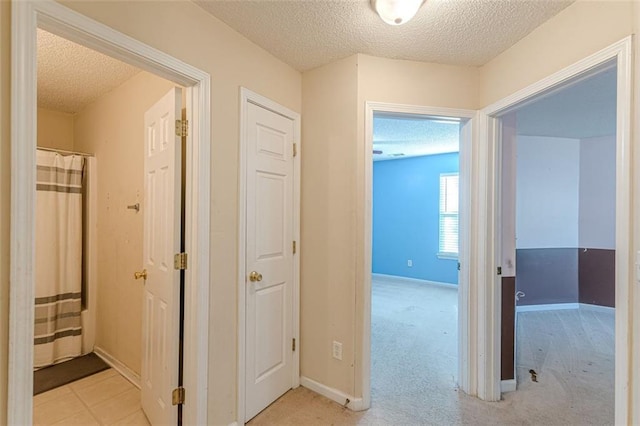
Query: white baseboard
(549, 307)
(233, 424)
(340, 397)
(597, 308)
(385, 277)
(508, 385)
(561, 306)
(125, 371)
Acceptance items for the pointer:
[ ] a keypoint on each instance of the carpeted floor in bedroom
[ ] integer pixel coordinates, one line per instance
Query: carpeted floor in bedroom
(414, 368)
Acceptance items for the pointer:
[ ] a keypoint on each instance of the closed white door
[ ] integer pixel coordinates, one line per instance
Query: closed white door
(269, 258)
(160, 312)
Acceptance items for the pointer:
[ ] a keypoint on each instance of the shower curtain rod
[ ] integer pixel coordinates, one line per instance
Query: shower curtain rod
(62, 151)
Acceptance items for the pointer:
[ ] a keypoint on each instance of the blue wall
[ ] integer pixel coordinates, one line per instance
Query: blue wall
(406, 205)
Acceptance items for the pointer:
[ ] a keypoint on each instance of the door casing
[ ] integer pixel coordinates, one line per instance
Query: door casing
(467, 342)
(51, 16)
(246, 97)
(489, 201)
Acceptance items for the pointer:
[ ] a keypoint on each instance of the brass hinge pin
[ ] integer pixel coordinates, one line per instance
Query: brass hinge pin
(182, 128)
(180, 261)
(178, 396)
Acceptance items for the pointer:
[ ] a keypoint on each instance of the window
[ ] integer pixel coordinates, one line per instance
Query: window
(448, 239)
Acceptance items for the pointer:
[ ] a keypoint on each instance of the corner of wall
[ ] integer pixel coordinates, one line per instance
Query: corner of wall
(328, 234)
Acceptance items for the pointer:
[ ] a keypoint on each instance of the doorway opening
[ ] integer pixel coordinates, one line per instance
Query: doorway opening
(414, 284)
(454, 212)
(95, 144)
(58, 20)
(500, 234)
(559, 221)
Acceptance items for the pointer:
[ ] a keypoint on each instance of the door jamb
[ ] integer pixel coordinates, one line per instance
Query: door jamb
(27, 16)
(466, 339)
(490, 164)
(246, 97)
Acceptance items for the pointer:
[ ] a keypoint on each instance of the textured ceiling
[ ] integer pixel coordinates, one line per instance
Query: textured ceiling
(310, 33)
(71, 76)
(405, 136)
(582, 110)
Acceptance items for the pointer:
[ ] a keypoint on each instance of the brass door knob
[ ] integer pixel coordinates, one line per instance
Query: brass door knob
(255, 276)
(140, 274)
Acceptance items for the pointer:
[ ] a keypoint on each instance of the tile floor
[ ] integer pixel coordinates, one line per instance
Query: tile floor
(105, 398)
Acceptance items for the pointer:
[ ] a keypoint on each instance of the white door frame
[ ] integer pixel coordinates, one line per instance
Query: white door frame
(246, 97)
(27, 16)
(489, 194)
(467, 342)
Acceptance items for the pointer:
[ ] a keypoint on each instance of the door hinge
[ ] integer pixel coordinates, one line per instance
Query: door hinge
(458, 266)
(180, 261)
(295, 149)
(182, 128)
(293, 345)
(177, 396)
(294, 247)
(499, 270)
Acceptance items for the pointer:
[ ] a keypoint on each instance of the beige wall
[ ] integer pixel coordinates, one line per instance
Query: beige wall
(399, 82)
(332, 200)
(5, 167)
(203, 41)
(416, 83)
(112, 128)
(55, 129)
(328, 221)
(183, 30)
(578, 31)
(332, 195)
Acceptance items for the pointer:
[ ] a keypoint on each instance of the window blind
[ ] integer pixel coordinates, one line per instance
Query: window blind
(448, 239)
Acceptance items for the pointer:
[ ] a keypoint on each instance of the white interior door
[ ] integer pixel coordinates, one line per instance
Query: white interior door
(269, 258)
(160, 320)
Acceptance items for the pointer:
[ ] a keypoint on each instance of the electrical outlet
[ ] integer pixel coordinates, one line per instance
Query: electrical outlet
(409, 263)
(337, 350)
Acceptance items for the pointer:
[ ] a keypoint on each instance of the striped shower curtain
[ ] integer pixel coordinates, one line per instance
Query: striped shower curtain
(57, 329)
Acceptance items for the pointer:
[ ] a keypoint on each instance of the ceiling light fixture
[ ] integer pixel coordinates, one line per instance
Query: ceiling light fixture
(396, 12)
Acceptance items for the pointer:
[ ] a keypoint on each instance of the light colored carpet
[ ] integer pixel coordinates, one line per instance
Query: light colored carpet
(414, 368)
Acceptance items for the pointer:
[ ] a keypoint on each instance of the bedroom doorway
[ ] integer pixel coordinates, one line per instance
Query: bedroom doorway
(452, 217)
(414, 284)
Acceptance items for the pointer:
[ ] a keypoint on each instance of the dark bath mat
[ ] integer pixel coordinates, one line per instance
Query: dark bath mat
(66, 372)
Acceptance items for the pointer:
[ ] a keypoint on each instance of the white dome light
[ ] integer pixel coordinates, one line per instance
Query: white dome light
(396, 12)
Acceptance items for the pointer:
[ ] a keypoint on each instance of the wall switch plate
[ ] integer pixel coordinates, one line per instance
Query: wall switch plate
(337, 350)
(409, 263)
